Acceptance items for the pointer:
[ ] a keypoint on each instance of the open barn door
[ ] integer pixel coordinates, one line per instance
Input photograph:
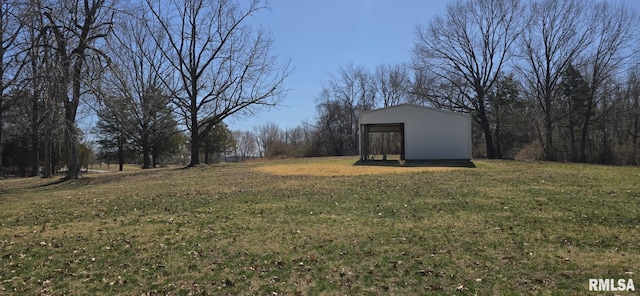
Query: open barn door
(377, 141)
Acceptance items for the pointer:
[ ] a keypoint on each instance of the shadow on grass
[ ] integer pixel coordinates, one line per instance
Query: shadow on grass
(101, 178)
(453, 163)
(87, 178)
(59, 181)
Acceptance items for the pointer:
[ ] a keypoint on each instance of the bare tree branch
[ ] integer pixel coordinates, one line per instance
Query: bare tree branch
(224, 68)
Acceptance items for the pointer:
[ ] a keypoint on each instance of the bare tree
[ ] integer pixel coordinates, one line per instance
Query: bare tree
(36, 58)
(392, 84)
(355, 87)
(421, 87)
(40, 83)
(41, 88)
(467, 49)
(558, 31)
(268, 135)
(77, 27)
(629, 114)
(11, 64)
(298, 140)
(136, 67)
(615, 30)
(340, 102)
(246, 144)
(223, 67)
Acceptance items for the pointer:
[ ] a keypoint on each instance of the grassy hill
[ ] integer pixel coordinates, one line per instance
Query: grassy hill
(316, 226)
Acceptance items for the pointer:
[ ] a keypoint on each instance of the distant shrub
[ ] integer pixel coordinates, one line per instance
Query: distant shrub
(531, 151)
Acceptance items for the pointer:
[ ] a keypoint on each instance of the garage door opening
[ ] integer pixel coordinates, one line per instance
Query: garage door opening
(382, 141)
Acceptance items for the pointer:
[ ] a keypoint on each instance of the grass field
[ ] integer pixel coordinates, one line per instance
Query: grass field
(114, 167)
(323, 227)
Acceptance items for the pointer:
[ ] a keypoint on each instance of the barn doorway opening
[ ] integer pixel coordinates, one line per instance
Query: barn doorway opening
(382, 141)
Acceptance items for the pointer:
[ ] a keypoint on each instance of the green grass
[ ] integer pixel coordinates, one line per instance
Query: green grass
(502, 228)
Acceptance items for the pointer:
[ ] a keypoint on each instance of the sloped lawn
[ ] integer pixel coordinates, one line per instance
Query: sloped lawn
(503, 227)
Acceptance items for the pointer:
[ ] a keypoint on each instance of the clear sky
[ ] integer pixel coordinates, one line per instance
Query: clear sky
(320, 36)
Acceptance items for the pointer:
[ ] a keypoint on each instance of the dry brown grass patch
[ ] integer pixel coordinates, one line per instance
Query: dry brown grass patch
(344, 167)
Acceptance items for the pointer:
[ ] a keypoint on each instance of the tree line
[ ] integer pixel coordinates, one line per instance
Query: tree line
(152, 71)
(567, 66)
(545, 79)
(549, 80)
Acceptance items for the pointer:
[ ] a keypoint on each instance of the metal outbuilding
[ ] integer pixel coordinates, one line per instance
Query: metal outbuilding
(426, 133)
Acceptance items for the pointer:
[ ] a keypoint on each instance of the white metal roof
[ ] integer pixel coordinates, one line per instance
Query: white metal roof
(407, 105)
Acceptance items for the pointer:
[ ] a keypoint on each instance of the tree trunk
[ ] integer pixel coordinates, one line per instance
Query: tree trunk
(146, 151)
(635, 132)
(71, 107)
(120, 153)
(572, 142)
(206, 152)
(47, 168)
(195, 150)
(35, 155)
(548, 126)
(606, 156)
(585, 130)
(195, 136)
(154, 159)
(73, 167)
(634, 140)
(498, 135)
(486, 129)
(548, 149)
(1, 128)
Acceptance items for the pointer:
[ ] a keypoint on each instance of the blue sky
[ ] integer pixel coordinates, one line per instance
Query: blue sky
(320, 36)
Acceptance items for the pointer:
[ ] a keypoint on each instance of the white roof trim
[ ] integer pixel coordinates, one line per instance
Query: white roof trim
(417, 107)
